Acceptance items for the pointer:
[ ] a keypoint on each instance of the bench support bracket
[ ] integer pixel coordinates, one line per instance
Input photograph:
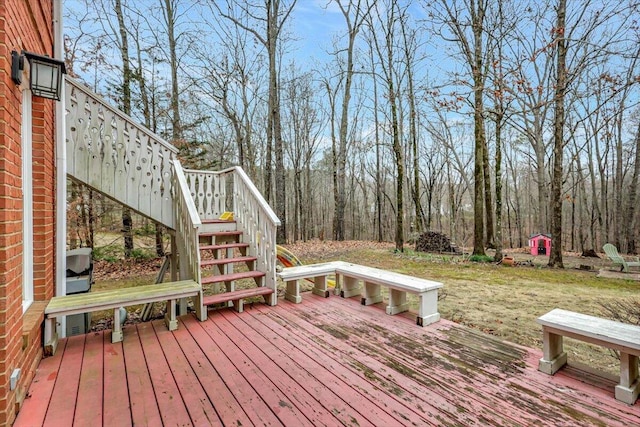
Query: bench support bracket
(553, 355)
(372, 294)
(397, 302)
(50, 337)
(320, 286)
(629, 388)
(293, 292)
(350, 287)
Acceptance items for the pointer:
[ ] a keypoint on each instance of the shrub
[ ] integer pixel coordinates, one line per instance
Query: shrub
(481, 258)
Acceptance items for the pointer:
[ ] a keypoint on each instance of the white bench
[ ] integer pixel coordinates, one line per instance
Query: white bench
(116, 298)
(350, 275)
(607, 333)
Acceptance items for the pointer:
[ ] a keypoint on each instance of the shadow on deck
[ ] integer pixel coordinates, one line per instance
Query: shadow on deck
(322, 362)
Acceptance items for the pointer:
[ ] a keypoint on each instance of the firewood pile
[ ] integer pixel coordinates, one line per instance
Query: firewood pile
(431, 241)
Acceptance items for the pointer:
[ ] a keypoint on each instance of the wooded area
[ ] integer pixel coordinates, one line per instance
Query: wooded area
(483, 120)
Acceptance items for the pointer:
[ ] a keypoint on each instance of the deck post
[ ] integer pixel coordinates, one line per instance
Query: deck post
(629, 388)
(553, 355)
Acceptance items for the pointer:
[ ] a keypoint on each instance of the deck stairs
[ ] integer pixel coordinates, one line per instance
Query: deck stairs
(109, 152)
(225, 260)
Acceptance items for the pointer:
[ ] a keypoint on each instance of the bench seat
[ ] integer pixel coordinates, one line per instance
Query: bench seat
(618, 336)
(114, 299)
(317, 272)
(350, 275)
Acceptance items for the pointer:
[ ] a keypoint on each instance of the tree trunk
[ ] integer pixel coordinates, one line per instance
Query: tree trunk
(631, 219)
(555, 257)
(127, 222)
(479, 135)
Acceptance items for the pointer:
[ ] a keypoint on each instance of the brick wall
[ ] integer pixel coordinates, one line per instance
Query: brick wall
(24, 24)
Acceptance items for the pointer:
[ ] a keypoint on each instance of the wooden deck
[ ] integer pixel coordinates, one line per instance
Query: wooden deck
(322, 362)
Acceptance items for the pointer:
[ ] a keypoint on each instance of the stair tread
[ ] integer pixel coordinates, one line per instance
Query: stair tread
(231, 277)
(217, 221)
(221, 261)
(236, 295)
(220, 233)
(224, 246)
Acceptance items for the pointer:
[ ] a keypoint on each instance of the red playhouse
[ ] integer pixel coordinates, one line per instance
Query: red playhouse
(540, 244)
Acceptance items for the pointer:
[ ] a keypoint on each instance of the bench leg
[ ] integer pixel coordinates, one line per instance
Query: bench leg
(350, 287)
(629, 388)
(397, 302)
(50, 336)
(320, 286)
(372, 294)
(201, 311)
(428, 309)
(116, 331)
(293, 292)
(170, 318)
(553, 355)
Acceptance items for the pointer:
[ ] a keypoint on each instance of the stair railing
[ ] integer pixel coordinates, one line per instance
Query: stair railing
(108, 151)
(258, 222)
(187, 224)
(253, 215)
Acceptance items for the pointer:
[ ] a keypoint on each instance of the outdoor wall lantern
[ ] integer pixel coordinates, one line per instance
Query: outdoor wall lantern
(45, 73)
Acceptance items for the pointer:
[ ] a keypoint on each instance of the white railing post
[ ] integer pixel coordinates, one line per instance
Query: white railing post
(187, 223)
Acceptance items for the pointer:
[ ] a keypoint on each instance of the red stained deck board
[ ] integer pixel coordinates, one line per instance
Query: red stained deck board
(255, 408)
(382, 356)
(529, 387)
(223, 246)
(222, 261)
(220, 233)
(144, 406)
(232, 277)
(330, 354)
(89, 404)
(41, 389)
(116, 403)
(245, 362)
(546, 395)
(304, 401)
(63, 400)
(361, 376)
(170, 402)
(201, 411)
(456, 367)
(317, 377)
(236, 295)
(225, 404)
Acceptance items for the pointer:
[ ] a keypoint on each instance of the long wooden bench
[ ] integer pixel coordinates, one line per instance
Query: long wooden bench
(349, 277)
(607, 333)
(116, 298)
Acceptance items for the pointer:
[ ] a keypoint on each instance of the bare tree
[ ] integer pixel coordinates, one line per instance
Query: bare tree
(354, 13)
(271, 16)
(465, 22)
